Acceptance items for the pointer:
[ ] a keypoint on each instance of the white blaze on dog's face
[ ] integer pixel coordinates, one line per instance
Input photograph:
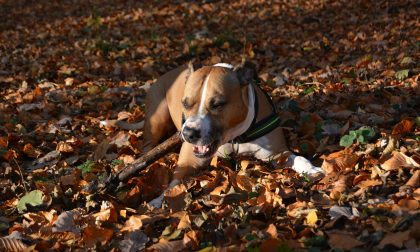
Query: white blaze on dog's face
(215, 107)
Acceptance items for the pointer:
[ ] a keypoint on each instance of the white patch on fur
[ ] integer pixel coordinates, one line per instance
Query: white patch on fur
(198, 122)
(225, 65)
(203, 96)
(242, 127)
(259, 148)
(302, 165)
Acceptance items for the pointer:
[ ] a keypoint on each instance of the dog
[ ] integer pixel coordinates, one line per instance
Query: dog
(218, 110)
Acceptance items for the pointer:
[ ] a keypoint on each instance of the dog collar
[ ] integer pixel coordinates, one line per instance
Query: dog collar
(262, 127)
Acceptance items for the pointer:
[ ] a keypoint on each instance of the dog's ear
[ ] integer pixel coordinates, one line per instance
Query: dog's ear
(246, 72)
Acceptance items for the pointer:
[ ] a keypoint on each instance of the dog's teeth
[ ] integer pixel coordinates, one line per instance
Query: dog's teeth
(201, 148)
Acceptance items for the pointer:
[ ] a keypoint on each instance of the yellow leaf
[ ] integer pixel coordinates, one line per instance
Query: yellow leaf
(214, 161)
(311, 218)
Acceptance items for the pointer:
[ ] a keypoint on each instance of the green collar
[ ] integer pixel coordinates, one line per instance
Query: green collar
(262, 127)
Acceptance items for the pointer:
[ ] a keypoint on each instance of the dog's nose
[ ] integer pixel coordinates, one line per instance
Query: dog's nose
(191, 135)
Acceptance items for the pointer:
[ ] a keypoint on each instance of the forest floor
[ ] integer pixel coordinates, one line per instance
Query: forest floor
(345, 78)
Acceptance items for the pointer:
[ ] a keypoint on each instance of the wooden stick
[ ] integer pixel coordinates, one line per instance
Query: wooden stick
(151, 156)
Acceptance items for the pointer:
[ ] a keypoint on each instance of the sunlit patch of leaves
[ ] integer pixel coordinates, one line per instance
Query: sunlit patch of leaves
(86, 64)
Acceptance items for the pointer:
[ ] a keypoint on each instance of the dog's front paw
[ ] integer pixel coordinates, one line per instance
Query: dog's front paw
(157, 202)
(304, 167)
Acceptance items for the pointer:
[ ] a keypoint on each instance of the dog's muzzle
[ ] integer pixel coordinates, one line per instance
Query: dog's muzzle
(198, 131)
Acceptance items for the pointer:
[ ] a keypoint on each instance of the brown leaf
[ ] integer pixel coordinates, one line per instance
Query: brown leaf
(244, 182)
(208, 185)
(339, 161)
(271, 245)
(94, 235)
(64, 147)
(416, 194)
(414, 180)
(365, 184)
(30, 151)
(342, 240)
(184, 222)
(12, 244)
(272, 230)
(403, 127)
(134, 241)
(409, 204)
(191, 239)
(294, 210)
(176, 198)
(223, 211)
(107, 213)
(133, 223)
(398, 160)
(69, 180)
(168, 246)
(221, 188)
(395, 239)
(4, 142)
(340, 186)
(101, 150)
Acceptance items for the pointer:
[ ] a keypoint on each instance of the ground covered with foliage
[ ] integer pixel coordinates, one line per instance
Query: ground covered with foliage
(344, 75)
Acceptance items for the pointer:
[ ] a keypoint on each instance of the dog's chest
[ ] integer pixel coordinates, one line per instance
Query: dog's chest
(259, 148)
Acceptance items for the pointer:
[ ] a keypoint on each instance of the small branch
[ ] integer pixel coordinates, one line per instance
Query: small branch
(21, 175)
(144, 161)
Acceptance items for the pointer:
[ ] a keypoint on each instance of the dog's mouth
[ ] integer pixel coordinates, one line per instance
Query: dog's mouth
(204, 151)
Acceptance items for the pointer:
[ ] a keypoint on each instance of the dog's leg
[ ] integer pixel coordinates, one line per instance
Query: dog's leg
(158, 123)
(187, 165)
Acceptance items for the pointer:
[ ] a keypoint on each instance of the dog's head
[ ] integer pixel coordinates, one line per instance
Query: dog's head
(218, 105)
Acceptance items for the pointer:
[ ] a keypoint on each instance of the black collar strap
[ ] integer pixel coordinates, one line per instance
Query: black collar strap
(260, 128)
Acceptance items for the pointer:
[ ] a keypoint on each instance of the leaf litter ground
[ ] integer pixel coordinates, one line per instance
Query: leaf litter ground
(73, 78)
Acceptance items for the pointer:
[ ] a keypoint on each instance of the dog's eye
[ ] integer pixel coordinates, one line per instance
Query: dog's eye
(185, 104)
(214, 105)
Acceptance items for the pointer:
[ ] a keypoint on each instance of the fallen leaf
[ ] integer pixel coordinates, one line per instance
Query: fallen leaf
(409, 204)
(12, 244)
(94, 235)
(339, 161)
(272, 245)
(342, 240)
(244, 183)
(414, 180)
(272, 230)
(101, 150)
(311, 218)
(403, 127)
(133, 223)
(396, 239)
(398, 160)
(168, 246)
(191, 239)
(184, 222)
(337, 211)
(34, 198)
(176, 198)
(66, 221)
(134, 241)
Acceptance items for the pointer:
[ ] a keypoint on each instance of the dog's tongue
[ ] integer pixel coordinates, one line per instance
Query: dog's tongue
(201, 149)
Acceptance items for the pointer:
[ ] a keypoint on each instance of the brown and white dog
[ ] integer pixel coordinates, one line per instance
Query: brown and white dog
(213, 108)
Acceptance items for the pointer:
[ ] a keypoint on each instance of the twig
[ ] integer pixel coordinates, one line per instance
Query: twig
(21, 175)
(144, 161)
